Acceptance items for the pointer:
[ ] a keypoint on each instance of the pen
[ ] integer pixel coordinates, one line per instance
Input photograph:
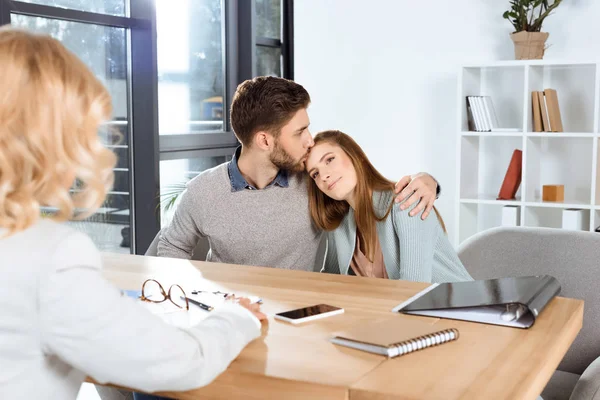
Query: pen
(199, 304)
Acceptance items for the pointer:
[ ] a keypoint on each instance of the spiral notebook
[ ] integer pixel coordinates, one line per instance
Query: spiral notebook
(394, 337)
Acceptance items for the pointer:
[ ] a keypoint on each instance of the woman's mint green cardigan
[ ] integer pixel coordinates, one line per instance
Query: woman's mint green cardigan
(413, 249)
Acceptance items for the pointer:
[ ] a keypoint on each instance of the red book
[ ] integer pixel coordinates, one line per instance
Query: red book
(512, 179)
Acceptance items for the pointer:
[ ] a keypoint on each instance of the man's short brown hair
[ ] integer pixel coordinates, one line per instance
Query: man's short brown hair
(265, 103)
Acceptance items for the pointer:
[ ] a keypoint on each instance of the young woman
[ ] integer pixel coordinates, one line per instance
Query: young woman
(368, 235)
(61, 321)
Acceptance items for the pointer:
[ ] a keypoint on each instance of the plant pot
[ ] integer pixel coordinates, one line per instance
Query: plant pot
(529, 45)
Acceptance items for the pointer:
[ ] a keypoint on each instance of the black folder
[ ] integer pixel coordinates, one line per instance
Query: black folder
(514, 302)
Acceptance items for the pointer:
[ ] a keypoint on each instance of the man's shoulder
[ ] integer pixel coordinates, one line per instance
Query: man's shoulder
(212, 177)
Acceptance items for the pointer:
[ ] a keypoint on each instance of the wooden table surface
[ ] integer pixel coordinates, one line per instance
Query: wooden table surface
(298, 362)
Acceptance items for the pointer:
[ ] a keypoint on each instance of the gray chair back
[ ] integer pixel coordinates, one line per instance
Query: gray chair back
(572, 257)
(199, 254)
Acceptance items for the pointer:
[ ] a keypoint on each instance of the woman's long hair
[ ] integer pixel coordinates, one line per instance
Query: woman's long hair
(51, 107)
(328, 213)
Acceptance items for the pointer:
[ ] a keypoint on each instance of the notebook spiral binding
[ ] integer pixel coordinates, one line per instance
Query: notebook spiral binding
(423, 342)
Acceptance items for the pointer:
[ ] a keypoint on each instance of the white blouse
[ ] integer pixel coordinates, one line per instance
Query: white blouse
(62, 321)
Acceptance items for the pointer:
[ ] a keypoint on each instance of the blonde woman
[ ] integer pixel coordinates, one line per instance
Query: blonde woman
(60, 319)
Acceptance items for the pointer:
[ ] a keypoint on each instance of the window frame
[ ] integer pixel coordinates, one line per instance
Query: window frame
(286, 43)
(240, 41)
(147, 147)
(144, 221)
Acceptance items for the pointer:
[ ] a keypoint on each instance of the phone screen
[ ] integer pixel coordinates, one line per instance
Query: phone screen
(308, 311)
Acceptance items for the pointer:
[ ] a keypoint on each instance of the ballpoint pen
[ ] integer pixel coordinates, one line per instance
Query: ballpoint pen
(199, 304)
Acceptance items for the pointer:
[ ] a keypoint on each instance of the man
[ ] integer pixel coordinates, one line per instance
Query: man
(254, 209)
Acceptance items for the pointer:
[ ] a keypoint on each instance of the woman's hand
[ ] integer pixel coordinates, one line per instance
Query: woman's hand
(253, 308)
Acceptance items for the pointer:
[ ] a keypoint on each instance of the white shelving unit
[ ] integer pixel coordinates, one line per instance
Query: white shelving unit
(567, 158)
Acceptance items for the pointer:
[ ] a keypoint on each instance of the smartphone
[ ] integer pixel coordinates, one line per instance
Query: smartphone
(308, 313)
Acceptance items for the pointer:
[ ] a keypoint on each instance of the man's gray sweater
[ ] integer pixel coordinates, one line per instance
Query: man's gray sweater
(269, 227)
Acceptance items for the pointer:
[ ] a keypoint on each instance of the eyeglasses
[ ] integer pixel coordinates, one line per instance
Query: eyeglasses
(154, 292)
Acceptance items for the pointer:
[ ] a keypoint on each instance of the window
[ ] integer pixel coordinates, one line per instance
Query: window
(190, 66)
(268, 18)
(111, 7)
(273, 38)
(114, 45)
(268, 61)
(205, 49)
(103, 50)
(171, 91)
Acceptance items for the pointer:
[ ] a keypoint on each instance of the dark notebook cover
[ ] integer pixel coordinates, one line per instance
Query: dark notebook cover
(485, 300)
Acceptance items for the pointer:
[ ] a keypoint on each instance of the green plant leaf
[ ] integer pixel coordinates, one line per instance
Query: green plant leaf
(170, 195)
(522, 13)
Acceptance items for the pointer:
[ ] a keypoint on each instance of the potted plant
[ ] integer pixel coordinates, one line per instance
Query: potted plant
(527, 17)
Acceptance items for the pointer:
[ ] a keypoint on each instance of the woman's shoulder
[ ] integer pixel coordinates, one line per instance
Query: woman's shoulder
(68, 246)
(400, 216)
(51, 246)
(47, 226)
(382, 201)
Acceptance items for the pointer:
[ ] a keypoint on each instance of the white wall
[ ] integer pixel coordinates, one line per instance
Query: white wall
(385, 71)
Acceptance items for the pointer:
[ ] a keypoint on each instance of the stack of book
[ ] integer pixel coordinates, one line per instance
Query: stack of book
(546, 112)
(481, 115)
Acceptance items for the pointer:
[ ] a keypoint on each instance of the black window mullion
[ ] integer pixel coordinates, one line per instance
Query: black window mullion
(268, 42)
(38, 10)
(199, 153)
(231, 56)
(145, 184)
(225, 65)
(4, 12)
(196, 141)
(287, 48)
(246, 40)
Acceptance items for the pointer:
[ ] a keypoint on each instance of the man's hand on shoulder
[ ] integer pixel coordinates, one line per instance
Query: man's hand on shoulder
(422, 188)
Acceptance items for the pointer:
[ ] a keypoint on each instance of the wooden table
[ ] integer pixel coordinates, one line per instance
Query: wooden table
(298, 362)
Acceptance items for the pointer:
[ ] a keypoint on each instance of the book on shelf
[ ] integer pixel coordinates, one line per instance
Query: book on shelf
(470, 116)
(546, 108)
(536, 112)
(482, 117)
(544, 111)
(512, 179)
(553, 110)
(487, 122)
(476, 114)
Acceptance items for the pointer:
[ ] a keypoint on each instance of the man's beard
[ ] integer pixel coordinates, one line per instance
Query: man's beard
(282, 160)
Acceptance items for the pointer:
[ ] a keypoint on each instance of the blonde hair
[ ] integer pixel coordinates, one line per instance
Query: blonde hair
(51, 107)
